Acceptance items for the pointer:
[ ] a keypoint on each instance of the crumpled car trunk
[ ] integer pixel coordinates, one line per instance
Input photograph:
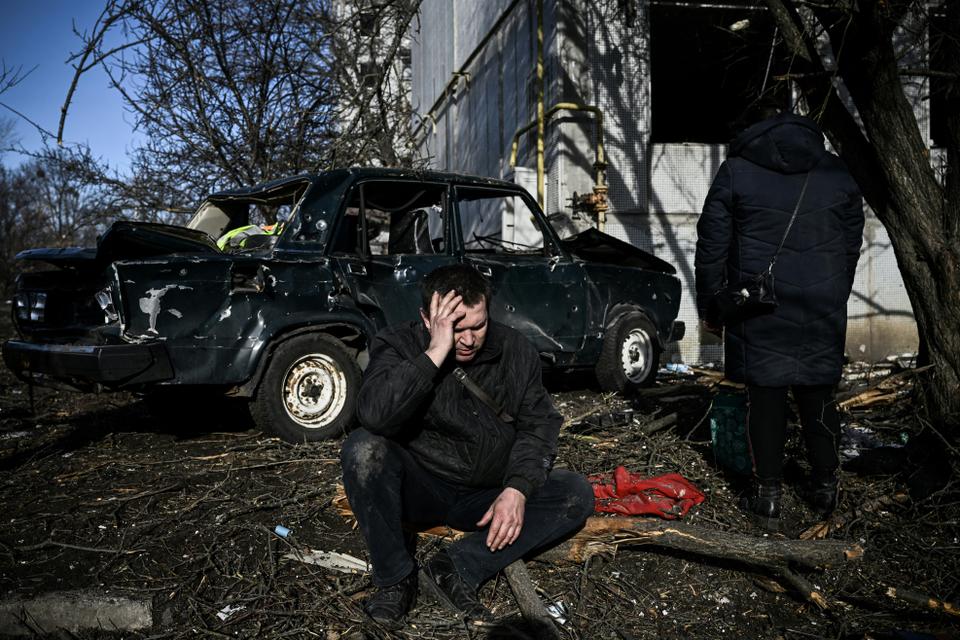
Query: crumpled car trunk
(79, 297)
(128, 240)
(596, 246)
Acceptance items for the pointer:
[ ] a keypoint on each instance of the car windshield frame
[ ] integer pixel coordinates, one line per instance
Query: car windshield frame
(552, 246)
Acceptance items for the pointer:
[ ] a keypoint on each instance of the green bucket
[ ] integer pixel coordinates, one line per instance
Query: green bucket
(728, 432)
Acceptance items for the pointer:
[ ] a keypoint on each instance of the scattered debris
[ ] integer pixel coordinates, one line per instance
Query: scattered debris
(225, 613)
(342, 562)
(558, 611)
(103, 496)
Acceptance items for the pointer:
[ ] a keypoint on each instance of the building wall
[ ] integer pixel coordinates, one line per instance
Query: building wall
(596, 57)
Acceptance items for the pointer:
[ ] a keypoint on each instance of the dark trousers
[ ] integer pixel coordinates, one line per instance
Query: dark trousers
(386, 486)
(767, 428)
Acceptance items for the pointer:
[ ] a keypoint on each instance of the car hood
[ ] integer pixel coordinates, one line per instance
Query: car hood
(596, 246)
(128, 240)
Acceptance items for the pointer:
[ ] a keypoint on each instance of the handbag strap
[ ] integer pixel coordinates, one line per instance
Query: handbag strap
(793, 217)
(481, 395)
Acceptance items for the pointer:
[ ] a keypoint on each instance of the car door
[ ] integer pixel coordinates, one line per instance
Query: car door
(538, 288)
(390, 233)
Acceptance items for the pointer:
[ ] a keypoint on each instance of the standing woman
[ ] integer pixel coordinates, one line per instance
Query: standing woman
(775, 168)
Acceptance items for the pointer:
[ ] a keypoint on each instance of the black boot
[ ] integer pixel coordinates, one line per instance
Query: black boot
(448, 587)
(389, 604)
(822, 495)
(763, 503)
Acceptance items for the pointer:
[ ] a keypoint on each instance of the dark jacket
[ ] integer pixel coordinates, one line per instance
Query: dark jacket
(744, 217)
(449, 431)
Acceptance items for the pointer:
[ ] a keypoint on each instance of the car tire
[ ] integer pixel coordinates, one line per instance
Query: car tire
(630, 355)
(309, 390)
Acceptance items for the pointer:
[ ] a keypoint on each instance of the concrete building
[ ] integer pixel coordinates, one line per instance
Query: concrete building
(638, 97)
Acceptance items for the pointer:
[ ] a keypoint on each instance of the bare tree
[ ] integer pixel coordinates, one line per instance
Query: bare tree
(9, 78)
(855, 47)
(14, 199)
(50, 200)
(370, 59)
(230, 94)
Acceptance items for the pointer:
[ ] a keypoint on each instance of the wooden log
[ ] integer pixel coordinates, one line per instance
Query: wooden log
(605, 534)
(660, 423)
(669, 390)
(531, 607)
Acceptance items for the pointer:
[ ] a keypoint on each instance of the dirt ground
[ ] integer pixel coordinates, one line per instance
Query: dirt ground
(177, 504)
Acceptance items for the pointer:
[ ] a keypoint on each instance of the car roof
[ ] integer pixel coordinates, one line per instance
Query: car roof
(337, 175)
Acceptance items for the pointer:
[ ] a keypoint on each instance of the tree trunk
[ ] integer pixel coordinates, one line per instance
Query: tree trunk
(921, 217)
(891, 163)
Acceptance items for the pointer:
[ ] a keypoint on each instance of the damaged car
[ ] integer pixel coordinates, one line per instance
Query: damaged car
(273, 293)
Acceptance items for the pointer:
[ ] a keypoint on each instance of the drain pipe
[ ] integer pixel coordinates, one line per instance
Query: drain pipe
(541, 116)
(598, 199)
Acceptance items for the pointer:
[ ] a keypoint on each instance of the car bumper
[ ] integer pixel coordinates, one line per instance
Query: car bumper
(108, 365)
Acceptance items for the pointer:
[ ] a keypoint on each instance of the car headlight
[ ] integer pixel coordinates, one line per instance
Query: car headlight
(105, 300)
(31, 306)
(22, 302)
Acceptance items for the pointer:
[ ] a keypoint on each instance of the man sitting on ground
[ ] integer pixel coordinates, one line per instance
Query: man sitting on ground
(475, 454)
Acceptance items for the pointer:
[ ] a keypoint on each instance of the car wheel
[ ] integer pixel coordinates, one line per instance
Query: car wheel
(309, 390)
(630, 356)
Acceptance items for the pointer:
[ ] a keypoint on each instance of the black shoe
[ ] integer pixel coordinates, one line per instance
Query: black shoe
(389, 604)
(448, 587)
(762, 502)
(822, 495)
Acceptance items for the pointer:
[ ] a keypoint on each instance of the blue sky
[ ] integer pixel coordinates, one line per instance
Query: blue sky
(39, 34)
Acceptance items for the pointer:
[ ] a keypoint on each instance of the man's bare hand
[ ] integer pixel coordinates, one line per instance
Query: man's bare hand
(505, 517)
(445, 312)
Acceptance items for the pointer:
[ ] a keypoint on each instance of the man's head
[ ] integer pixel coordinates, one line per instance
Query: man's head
(470, 331)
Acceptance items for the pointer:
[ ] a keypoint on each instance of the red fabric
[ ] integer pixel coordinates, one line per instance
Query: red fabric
(669, 496)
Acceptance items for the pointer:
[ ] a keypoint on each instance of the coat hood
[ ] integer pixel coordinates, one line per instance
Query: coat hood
(785, 143)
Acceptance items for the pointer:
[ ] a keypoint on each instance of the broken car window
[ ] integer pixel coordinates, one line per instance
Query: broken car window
(497, 222)
(231, 219)
(398, 218)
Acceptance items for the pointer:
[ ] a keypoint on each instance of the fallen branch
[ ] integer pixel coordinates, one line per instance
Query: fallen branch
(660, 423)
(837, 521)
(63, 545)
(872, 398)
(669, 390)
(603, 535)
(527, 599)
(886, 390)
(922, 601)
(606, 534)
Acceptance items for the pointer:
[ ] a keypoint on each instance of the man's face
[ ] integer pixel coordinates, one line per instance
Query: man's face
(470, 332)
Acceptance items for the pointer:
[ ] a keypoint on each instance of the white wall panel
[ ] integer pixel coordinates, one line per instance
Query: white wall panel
(656, 191)
(680, 175)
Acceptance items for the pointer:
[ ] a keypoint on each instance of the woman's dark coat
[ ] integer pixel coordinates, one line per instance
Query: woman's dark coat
(744, 217)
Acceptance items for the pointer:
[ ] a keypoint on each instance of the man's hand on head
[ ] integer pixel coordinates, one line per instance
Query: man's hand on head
(445, 312)
(505, 517)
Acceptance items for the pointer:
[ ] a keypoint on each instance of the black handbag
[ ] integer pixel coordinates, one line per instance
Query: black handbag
(756, 295)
